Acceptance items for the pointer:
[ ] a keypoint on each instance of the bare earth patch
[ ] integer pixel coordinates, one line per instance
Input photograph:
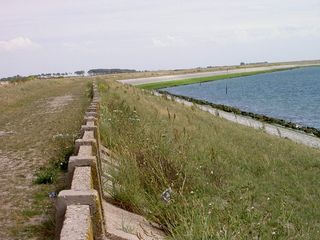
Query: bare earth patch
(56, 103)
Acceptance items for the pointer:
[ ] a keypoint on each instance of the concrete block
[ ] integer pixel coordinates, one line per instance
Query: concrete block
(77, 223)
(95, 107)
(89, 109)
(87, 140)
(90, 119)
(82, 179)
(87, 127)
(85, 151)
(91, 114)
(73, 197)
(92, 109)
(90, 198)
(81, 161)
(90, 123)
(88, 135)
(94, 104)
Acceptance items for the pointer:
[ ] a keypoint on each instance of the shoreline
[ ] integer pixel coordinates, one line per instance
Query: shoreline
(306, 135)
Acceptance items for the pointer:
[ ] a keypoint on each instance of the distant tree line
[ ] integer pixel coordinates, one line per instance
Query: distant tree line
(101, 71)
(17, 78)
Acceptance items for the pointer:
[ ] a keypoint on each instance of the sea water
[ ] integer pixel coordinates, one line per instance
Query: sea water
(291, 95)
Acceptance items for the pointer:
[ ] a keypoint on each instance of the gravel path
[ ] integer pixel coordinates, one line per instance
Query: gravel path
(38, 118)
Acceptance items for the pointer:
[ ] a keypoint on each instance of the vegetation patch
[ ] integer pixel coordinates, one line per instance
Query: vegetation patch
(202, 177)
(46, 175)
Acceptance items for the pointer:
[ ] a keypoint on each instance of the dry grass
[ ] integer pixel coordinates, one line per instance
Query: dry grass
(228, 181)
(39, 121)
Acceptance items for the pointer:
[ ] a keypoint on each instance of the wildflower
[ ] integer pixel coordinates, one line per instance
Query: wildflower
(211, 172)
(116, 111)
(60, 135)
(273, 233)
(191, 192)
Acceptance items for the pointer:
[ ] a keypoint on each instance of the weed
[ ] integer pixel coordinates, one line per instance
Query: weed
(46, 175)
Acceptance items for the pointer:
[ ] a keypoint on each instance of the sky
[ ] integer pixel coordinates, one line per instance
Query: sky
(42, 36)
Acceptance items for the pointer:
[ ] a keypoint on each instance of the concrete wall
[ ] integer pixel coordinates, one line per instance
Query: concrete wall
(79, 210)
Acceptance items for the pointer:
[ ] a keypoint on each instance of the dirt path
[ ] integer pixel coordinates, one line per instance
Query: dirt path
(38, 119)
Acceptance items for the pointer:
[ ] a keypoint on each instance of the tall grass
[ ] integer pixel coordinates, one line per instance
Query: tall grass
(201, 177)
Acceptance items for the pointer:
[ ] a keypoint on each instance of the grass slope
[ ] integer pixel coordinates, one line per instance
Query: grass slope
(228, 181)
(158, 85)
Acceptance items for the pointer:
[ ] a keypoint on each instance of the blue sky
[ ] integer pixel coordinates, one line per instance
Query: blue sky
(61, 36)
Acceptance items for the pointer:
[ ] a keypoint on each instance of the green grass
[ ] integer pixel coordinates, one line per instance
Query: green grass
(158, 85)
(228, 181)
(46, 175)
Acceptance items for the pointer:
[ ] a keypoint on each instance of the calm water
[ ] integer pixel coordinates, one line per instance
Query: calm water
(292, 95)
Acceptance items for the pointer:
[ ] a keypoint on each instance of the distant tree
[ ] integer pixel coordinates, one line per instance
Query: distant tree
(79, 73)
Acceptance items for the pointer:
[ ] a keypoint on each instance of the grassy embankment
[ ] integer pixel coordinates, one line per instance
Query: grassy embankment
(158, 85)
(228, 181)
(39, 120)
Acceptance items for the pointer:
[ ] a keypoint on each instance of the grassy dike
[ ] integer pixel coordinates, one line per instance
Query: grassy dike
(174, 83)
(224, 181)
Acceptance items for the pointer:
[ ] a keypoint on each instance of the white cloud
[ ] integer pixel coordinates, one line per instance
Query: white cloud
(18, 43)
